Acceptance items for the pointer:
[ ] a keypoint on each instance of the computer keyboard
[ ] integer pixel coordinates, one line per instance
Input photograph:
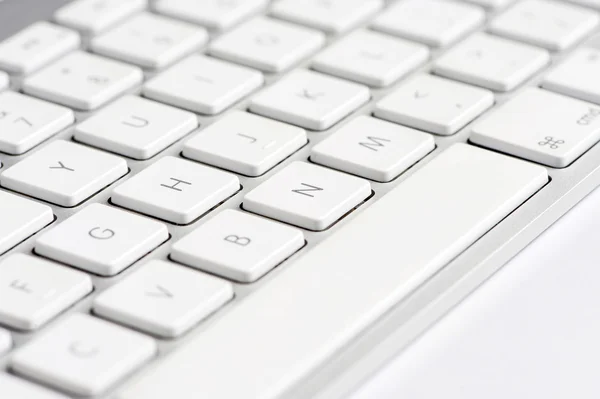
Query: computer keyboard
(232, 199)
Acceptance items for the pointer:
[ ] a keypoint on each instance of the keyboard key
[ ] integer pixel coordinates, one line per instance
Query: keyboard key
(64, 173)
(371, 58)
(163, 299)
(308, 196)
(16, 388)
(136, 127)
(588, 3)
(434, 104)
(101, 239)
(5, 345)
(310, 100)
(332, 16)
(83, 355)
(26, 121)
(373, 149)
(33, 290)
(492, 62)
(245, 143)
(176, 190)
(20, 218)
(267, 44)
(577, 76)
(286, 329)
(150, 41)
(549, 24)
(238, 246)
(542, 127)
(437, 23)
(214, 14)
(83, 81)
(4, 81)
(36, 46)
(94, 16)
(204, 85)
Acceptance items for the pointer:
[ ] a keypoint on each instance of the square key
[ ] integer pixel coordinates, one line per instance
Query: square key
(541, 126)
(64, 173)
(308, 196)
(176, 190)
(434, 104)
(436, 23)
(552, 25)
(491, 62)
(83, 355)
(331, 16)
(135, 127)
(373, 149)
(102, 239)
(214, 14)
(267, 44)
(245, 143)
(203, 84)
(576, 75)
(26, 121)
(20, 218)
(83, 81)
(150, 41)
(310, 99)
(34, 290)
(238, 246)
(94, 16)
(371, 58)
(35, 46)
(163, 298)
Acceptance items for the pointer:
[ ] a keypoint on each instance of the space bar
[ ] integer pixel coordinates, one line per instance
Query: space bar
(277, 335)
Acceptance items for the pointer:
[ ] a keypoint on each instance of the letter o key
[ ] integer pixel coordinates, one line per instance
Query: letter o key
(99, 234)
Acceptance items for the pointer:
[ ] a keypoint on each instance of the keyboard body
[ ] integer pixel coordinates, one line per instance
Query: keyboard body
(366, 353)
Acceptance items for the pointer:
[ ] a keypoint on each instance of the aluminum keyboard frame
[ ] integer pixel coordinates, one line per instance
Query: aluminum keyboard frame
(366, 354)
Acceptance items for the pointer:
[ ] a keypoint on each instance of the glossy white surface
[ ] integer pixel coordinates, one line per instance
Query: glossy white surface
(530, 331)
(347, 281)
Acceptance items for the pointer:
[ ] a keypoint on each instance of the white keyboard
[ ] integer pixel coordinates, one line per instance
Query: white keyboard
(218, 200)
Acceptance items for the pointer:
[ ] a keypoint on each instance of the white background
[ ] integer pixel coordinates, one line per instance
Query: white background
(531, 331)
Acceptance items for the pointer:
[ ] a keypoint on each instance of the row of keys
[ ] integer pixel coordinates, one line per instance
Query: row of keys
(161, 298)
(152, 41)
(84, 355)
(105, 240)
(93, 16)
